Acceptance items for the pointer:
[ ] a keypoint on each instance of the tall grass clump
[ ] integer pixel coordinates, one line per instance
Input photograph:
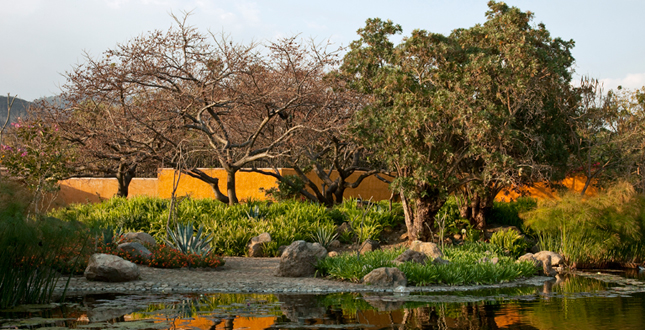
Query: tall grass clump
(467, 265)
(598, 231)
(30, 249)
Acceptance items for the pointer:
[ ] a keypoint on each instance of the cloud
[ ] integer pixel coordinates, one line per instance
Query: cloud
(20, 8)
(631, 80)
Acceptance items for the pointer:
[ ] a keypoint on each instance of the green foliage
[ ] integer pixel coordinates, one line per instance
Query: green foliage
(285, 191)
(30, 249)
(608, 227)
(464, 267)
(509, 241)
(231, 227)
(187, 241)
(508, 213)
(324, 235)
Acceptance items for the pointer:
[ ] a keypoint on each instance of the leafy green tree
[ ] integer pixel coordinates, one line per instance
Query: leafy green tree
(472, 112)
(609, 135)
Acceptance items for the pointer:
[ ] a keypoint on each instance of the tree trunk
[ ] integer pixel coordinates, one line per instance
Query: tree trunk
(230, 187)
(477, 210)
(124, 176)
(213, 182)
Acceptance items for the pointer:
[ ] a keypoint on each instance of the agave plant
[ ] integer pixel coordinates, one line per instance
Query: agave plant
(324, 236)
(254, 213)
(112, 235)
(185, 239)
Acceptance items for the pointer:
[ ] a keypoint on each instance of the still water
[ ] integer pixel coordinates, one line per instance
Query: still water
(595, 300)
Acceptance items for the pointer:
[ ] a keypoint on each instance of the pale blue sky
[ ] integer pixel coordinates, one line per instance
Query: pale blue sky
(41, 39)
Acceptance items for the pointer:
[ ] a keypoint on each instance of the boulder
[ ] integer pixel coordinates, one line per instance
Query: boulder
(530, 257)
(370, 245)
(556, 259)
(140, 237)
(281, 249)
(345, 227)
(440, 261)
(299, 259)
(386, 276)
(411, 255)
(429, 249)
(110, 268)
(335, 244)
(257, 244)
(543, 264)
(135, 249)
(332, 254)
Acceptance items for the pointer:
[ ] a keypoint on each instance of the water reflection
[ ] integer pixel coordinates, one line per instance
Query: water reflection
(593, 301)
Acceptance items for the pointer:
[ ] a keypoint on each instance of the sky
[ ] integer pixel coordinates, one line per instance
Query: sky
(41, 40)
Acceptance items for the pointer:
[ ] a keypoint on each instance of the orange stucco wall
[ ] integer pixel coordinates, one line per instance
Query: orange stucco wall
(247, 184)
(83, 190)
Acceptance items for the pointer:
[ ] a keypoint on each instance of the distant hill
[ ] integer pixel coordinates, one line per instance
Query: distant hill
(18, 110)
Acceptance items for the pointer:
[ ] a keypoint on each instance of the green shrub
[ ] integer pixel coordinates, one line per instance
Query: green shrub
(464, 267)
(508, 213)
(509, 241)
(606, 228)
(31, 249)
(232, 227)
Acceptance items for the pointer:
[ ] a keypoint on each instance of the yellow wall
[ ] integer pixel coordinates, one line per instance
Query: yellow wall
(247, 184)
(82, 190)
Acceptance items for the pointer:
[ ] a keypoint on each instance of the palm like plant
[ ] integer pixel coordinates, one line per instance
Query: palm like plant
(185, 239)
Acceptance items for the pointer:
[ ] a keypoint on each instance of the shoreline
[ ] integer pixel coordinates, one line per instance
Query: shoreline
(251, 275)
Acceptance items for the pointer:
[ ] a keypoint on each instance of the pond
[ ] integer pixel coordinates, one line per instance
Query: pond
(589, 301)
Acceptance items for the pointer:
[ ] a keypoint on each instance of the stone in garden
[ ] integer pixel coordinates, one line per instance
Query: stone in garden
(494, 261)
(547, 269)
(530, 257)
(370, 245)
(141, 237)
(257, 244)
(335, 244)
(440, 261)
(344, 228)
(135, 249)
(110, 268)
(281, 249)
(332, 254)
(411, 255)
(430, 249)
(556, 259)
(386, 276)
(299, 259)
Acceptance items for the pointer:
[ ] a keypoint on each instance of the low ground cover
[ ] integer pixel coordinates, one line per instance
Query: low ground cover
(469, 264)
(232, 227)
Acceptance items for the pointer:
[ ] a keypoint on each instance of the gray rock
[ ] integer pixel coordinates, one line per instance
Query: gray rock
(257, 245)
(370, 245)
(281, 249)
(110, 268)
(411, 255)
(543, 264)
(556, 259)
(135, 249)
(141, 237)
(386, 276)
(430, 249)
(440, 261)
(530, 257)
(299, 259)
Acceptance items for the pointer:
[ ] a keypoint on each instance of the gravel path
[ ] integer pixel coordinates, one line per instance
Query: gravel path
(246, 275)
